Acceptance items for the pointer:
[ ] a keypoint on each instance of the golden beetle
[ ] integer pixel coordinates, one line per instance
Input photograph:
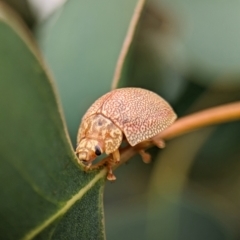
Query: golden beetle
(132, 113)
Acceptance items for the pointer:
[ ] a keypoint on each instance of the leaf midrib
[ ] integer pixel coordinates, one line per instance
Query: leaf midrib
(65, 207)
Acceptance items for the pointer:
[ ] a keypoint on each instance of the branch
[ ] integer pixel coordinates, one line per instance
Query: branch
(127, 42)
(211, 116)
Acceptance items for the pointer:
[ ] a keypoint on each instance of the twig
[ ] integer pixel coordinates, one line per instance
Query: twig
(224, 113)
(211, 116)
(127, 42)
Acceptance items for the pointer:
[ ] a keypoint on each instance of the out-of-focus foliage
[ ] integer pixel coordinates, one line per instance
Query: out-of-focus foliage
(191, 194)
(81, 44)
(187, 51)
(24, 10)
(207, 36)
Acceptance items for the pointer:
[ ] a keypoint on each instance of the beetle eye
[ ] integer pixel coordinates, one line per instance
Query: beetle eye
(97, 151)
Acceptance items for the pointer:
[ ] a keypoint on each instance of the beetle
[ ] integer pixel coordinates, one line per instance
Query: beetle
(134, 114)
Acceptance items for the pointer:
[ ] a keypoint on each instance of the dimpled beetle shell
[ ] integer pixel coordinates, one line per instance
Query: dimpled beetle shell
(135, 113)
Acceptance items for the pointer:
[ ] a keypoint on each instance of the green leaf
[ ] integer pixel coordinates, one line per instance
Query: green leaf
(44, 193)
(82, 43)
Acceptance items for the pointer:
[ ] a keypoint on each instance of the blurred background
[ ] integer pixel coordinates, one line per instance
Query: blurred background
(189, 53)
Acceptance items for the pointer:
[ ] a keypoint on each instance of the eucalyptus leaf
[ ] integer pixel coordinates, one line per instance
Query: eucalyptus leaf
(81, 43)
(45, 194)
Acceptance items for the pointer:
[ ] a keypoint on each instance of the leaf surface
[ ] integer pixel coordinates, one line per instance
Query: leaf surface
(44, 193)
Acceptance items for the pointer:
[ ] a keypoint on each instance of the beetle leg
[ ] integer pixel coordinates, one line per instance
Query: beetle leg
(159, 143)
(146, 157)
(115, 160)
(88, 166)
(110, 175)
(116, 156)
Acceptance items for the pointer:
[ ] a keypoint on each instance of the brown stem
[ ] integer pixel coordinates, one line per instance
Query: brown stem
(225, 113)
(127, 42)
(211, 116)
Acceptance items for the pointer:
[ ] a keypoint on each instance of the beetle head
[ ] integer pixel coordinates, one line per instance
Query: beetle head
(97, 135)
(88, 150)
